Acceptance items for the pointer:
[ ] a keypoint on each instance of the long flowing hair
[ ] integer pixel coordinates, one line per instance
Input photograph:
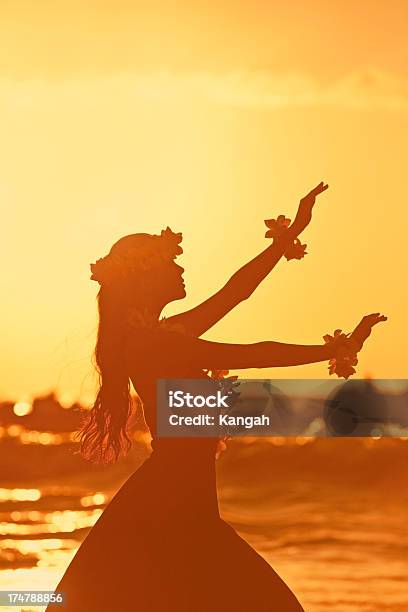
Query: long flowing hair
(133, 261)
(104, 432)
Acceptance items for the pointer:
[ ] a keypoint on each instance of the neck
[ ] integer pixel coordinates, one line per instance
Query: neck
(148, 311)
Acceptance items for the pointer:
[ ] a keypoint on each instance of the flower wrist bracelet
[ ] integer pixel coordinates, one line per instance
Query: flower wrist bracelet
(345, 357)
(278, 230)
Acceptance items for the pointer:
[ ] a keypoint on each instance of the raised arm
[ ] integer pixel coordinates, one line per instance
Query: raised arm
(239, 288)
(244, 282)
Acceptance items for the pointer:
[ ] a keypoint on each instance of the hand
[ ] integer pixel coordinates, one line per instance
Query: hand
(304, 213)
(363, 329)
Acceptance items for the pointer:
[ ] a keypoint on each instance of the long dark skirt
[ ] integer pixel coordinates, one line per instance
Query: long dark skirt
(161, 546)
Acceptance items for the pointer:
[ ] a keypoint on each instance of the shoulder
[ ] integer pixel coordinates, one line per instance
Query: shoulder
(161, 344)
(153, 339)
(142, 338)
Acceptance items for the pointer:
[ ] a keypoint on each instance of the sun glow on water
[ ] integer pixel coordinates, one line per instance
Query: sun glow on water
(19, 495)
(22, 408)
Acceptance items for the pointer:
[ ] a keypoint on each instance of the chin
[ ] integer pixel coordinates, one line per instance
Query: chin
(179, 295)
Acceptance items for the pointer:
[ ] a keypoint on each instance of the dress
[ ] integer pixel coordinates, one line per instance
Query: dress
(160, 544)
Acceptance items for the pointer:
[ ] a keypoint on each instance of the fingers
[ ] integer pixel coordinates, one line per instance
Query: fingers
(374, 318)
(380, 318)
(317, 190)
(376, 315)
(320, 188)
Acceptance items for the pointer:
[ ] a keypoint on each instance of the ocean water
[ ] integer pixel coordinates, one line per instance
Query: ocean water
(330, 516)
(335, 554)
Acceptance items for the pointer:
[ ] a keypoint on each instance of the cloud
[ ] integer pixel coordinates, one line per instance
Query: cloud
(365, 90)
(264, 90)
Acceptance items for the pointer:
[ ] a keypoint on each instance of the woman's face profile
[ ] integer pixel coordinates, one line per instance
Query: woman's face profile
(152, 268)
(171, 282)
(175, 281)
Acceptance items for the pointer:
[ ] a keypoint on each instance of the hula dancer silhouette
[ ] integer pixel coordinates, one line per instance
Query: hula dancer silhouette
(160, 544)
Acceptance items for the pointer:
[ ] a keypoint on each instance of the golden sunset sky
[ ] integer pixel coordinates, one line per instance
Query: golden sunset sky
(119, 117)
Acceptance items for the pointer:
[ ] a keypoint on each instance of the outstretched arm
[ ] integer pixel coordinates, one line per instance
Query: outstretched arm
(244, 282)
(203, 354)
(219, 356)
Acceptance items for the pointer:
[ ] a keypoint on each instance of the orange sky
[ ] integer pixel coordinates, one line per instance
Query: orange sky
(208, 117)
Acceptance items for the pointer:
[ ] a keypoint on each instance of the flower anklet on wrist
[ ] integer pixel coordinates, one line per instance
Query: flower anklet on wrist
(345, 357)
(277, 229)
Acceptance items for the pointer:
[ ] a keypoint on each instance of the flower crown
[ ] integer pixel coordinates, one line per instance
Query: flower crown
(138, 259)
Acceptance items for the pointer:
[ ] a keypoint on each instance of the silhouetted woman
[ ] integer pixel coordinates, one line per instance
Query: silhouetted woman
(160, 544)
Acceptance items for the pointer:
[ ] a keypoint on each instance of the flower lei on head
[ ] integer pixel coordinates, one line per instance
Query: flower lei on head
(136, 260)
(346, 356)
(171, 241)
(278, 229)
